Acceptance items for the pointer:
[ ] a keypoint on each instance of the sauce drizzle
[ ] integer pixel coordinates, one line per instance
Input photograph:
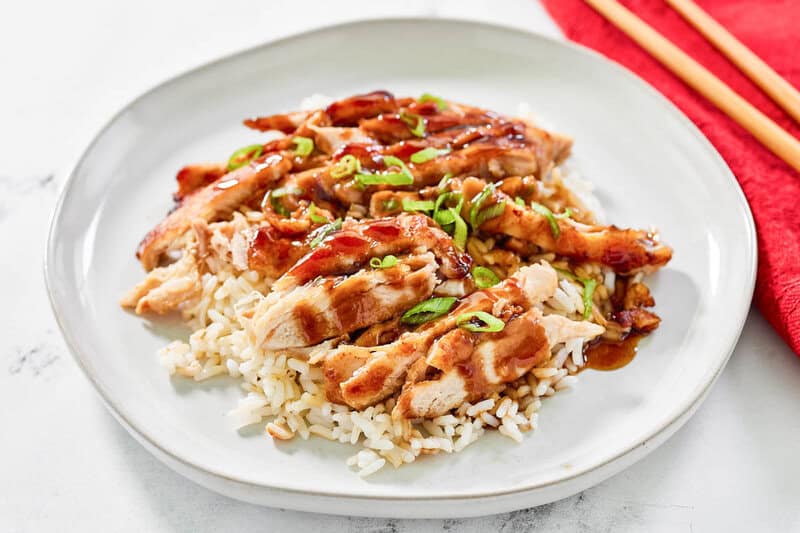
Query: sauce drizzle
(612, 355)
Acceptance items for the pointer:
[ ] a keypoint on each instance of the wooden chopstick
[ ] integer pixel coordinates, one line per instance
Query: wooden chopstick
(701, 80)
(780, 90)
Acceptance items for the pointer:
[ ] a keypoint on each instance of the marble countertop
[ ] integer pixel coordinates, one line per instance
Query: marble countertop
(65, 464)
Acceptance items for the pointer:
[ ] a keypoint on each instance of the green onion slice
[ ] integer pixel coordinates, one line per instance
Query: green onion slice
(286, 191)
(519, 201)
(390, 161)
(324, 231)
(484, 277)
(566, 214)
(390, 205)
(444, 180)
(545, 212)
(490, 212)
(588, 291)
(244, 155)
(387, 262)
(428, 97)
(477, 202)
(426, 154)
(275, 195)
(417, 205)
(415, 123)
(566, 273)
(391, 178)
(346, 166)
(443, 217)
(314, 216)
(303, 146)
(459, 230)
(428, 310)
(479, 321)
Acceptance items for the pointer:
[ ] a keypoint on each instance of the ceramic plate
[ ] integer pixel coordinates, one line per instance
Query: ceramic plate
(650, 166)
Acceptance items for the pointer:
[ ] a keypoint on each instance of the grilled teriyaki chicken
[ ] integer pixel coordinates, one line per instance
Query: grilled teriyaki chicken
(397, 231)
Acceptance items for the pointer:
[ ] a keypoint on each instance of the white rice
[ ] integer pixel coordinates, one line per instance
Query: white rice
(285, 391)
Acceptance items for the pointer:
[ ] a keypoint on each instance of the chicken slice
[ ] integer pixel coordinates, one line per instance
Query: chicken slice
(331, 306)
(386, 366)
(211, 203)
(624, 250)
(193, 177)
(345, 250)
(164, 289)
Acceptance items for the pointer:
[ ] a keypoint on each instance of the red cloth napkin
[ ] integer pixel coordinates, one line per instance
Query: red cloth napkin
(771, 29)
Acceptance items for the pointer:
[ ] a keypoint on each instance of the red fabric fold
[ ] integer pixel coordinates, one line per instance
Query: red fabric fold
(770, 29)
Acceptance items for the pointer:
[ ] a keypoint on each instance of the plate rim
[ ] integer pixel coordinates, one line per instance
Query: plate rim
(677, 414)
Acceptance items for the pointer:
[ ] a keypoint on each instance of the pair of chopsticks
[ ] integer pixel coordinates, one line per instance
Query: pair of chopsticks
(772, 136)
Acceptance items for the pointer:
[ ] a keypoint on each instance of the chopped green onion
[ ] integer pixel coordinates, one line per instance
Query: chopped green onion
(303, 146)
(417, 205)
(415, 123)
(545, 212)
(392, 178)
(426, 154)
(314, 216)
(477, 202)
(443, 217)
(490, 212)
(275, 195)
(324, 231)
(484, 277)
(387, 262)
(346, 166)
(428, 310)
(479, 321)
(566, 214)
(242, 156)
(588, 291)
(390, 205)
(519, 201)
(390, 160)
(428, 97)
(444, 180)
(459, 231)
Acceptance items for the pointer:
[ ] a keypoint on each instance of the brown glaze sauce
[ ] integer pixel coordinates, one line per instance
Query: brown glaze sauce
(612, 355)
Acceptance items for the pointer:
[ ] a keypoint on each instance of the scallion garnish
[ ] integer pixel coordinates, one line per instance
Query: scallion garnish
(346, 166)
(314, 216)
(477, 202)
(244, 155)
(392, 161)
(484, 277)
(324, 231)
(490, 212)
(566, 273)
(286, 191)
(387, 262)
(588, 291)
(426, 154)
(444, 180)
(390, 205)
(479, 321)
(303, 146)
(428, 97)
(415, 123)
(443, 217)
(417, 205)
(519, 201)
(392, 178)
(546, 213)
(459, 230)
(428, 310)
(275, 195)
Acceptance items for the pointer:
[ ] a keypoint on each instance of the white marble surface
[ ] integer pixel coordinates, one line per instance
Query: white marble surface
(65, 464)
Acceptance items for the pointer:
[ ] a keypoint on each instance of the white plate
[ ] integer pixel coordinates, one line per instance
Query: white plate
(650, 164)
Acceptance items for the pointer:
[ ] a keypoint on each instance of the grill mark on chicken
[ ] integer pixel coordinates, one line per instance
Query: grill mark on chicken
(211, 203)
(624, 250)
(331, 306)
(385, 369)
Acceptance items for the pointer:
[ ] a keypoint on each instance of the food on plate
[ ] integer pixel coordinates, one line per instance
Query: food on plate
(403, 274)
